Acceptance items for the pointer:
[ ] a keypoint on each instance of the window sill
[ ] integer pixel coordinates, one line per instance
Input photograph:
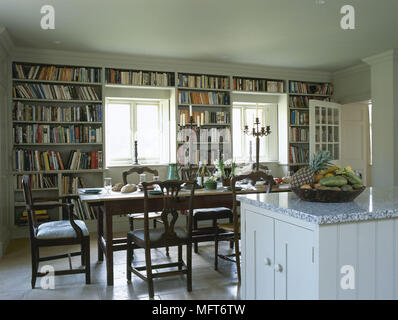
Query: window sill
(136, 165)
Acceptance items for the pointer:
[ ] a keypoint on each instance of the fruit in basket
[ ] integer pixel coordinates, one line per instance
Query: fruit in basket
(334, 181)
(306, 186)
(347, 187)
(317, 185)
(320, 161)
(318, 177)
(330, 169)
(357, 186)
(329, 175)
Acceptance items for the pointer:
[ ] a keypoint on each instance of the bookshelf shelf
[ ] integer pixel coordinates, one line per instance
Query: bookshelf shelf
(59, 171)
(58, 101)
(37, 190)
(205, 105)
(203, 89)
(57, 144)
(58, 82)
(258, 85)
(64, 123)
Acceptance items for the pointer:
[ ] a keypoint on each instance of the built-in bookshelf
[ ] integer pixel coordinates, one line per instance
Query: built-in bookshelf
(139, 78)
(57, 131)
(207, 98)
(244, 84)
(300, 93)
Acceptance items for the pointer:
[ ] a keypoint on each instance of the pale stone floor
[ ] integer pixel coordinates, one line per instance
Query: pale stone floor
(207, 284)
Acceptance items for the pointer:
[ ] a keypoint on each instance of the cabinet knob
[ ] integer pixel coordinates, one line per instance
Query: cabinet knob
(267, 261)
(278, 268)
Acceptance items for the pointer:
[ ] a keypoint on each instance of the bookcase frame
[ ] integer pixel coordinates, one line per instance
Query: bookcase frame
(204, 107)
(93, 174)
(296, 165)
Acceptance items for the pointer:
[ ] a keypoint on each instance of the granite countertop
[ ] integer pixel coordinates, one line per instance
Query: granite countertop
(373, 203)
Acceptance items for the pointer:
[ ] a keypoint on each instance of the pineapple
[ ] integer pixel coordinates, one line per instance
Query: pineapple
(319, 161)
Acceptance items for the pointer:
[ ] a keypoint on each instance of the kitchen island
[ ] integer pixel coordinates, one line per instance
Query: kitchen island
(293, 249)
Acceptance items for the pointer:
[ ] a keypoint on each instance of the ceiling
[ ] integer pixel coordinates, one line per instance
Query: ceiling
(288, 33)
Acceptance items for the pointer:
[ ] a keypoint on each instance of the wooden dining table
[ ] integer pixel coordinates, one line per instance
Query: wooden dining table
(106, 205)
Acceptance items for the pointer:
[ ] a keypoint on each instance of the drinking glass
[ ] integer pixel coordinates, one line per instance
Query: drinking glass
(156, 186)
(108, 185)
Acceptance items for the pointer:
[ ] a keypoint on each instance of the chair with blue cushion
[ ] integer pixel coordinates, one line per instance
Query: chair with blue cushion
(205, 214)
(55, 233)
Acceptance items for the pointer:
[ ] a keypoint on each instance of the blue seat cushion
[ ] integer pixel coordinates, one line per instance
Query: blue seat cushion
(60, 229)
(156, 234)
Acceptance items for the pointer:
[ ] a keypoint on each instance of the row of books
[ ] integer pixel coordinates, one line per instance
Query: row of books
(40, 215)
(37, 133)
(139, 78)
(55, 73)
(304, 101)
(203, 81)
(216, 98)
(27, 112)
(298, 154)
(258, 85)
(299, 117)
(39, 181)
(310, 88)
(205, 117)
(299, 134)
(54, 92)
(211, 135)
(70, 184)
(82, 210)
(34, 160)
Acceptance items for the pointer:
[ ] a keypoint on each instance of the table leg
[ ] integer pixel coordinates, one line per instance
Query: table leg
(100, 231)
(109, 246)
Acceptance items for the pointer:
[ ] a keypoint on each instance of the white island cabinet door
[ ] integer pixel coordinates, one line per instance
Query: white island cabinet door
(295, 270)
(259, 250)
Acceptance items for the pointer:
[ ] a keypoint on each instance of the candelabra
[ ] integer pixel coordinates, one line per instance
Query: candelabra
(257, 133)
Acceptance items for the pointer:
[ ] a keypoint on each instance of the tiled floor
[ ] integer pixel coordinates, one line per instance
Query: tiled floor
(15, 273)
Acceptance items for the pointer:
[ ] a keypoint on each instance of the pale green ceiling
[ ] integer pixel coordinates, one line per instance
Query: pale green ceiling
(290, 33)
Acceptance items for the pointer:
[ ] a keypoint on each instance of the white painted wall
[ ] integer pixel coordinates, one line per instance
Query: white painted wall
(352, 84)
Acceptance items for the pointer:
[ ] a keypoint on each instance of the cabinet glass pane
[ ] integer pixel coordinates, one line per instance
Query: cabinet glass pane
(323, 138)
(317, 115)
(323, 116)
(336, 134)
(336, 116)
(336, 154)
(330, 116)
(317, 147)
(317, 134)
(324, 147)
(330, 134)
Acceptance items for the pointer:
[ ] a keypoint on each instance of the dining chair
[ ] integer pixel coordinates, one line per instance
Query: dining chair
(168, 236)
(231, 231)
(205, 214)
(55, 233)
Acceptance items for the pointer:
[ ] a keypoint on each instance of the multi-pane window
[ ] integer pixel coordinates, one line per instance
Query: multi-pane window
(133, 120)
(245, 114)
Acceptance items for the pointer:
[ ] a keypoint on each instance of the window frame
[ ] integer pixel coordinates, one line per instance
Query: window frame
(264, 143)
(133, 103)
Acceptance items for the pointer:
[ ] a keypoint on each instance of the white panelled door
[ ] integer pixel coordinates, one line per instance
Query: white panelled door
(325, 128)
(355, 138)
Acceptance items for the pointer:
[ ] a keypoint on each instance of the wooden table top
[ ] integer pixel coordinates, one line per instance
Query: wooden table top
(114, 196)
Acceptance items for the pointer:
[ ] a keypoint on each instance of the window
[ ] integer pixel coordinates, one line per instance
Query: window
(143, 120)
(245, 114)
